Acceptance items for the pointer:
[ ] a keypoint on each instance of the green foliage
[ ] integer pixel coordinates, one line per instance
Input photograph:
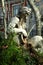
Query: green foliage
(13, 55)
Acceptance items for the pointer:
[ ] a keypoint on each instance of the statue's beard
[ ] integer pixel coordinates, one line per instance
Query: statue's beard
(26, 17)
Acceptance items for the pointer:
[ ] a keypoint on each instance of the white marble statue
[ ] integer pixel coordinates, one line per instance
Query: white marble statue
(18, 24)
(37, 43)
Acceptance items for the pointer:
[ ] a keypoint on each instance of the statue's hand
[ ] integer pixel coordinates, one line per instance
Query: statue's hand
(24, 32)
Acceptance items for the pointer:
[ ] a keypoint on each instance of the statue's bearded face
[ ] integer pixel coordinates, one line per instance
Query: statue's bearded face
(26, 10)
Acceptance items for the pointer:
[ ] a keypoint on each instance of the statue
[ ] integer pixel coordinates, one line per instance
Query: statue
(18, 24)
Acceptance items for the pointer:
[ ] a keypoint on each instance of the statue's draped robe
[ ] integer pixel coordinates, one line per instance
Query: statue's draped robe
(15, 26)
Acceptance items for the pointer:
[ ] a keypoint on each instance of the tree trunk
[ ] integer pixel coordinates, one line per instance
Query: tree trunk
(4, 12)
(37, 16)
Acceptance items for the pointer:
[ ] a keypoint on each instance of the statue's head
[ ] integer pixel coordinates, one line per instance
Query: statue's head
(25, 10)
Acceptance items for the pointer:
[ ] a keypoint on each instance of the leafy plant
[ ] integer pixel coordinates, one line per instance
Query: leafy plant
(13, 55)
